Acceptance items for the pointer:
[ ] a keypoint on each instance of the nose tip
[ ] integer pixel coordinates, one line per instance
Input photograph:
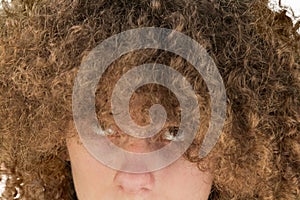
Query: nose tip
(134, 183)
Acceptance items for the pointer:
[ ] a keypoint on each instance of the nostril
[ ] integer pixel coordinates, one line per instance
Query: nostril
(134, 183)
(133, 190)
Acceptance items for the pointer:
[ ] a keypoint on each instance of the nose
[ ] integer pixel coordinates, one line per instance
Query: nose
(136, 145)
(134, 183)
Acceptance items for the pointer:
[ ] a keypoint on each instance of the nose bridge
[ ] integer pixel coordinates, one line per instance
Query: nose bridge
(140, 145)
(137, 145)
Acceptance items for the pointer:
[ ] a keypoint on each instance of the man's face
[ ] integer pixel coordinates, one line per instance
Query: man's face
(93, 180)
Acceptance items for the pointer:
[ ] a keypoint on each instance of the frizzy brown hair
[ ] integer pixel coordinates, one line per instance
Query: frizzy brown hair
(42, 44)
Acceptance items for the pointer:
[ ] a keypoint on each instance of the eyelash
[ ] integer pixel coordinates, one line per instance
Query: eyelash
(102, 132)
(171, 134)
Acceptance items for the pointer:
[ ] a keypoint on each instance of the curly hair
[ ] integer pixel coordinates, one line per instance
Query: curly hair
(43, 42)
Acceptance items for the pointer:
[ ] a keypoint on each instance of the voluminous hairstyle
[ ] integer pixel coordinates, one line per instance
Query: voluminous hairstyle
(43, 42)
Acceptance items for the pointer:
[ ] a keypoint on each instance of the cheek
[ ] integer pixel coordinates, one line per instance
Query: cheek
(185, 181)
(180, 180)
(91, 179)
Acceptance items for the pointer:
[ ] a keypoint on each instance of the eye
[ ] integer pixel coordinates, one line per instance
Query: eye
(99, 130)
(173, 134)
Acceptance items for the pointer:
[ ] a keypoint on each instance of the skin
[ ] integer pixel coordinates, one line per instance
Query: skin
(93, 180)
